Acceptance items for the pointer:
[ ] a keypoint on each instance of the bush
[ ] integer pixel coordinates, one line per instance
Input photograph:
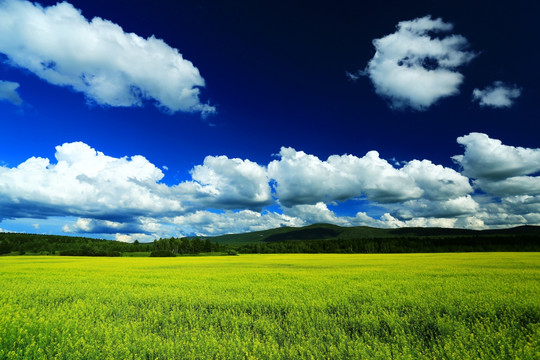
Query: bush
(232, 252)
(162, 253)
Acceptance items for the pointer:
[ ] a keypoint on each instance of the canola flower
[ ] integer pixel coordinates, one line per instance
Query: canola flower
(323, 306)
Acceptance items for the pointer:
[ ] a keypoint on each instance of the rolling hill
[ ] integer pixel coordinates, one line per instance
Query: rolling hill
(334, 232)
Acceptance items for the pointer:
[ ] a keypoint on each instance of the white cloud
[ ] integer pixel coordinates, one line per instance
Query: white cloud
(228, 183)
(500, 171)
(430, 222)
(319, 213)
(305, 179)
(97, 58)
(105, 191)
(132, 237)
(504, 174)
(489, 159)
(517, 185)
(124, 197)
(509, 211)
(140, 228)
(413, 69)
(501, 219)
(206, 223)
(97, 226)
(498, 95)
(436, 181)
(470, 222)
(451, 208)
(519, 204)
(8, 92)
(85, 183)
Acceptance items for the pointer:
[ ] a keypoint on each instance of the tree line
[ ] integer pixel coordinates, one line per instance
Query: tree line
(398, 245)
(187, 246)
(79, 246)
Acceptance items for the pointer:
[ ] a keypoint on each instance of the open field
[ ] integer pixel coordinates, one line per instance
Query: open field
(402, 306)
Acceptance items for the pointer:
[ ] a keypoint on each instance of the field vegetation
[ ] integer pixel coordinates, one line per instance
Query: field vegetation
(392, 306)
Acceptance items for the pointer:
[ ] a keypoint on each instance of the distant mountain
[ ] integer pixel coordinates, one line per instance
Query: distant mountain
(334, 232)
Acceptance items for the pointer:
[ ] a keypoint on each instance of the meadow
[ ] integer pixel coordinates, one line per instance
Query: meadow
(303, 306)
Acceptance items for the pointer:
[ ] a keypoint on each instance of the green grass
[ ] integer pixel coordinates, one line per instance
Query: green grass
(421, 306)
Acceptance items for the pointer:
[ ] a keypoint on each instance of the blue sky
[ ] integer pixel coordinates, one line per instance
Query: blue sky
(136, 120)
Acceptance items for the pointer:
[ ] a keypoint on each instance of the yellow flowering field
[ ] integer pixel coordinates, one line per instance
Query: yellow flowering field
(305, 306)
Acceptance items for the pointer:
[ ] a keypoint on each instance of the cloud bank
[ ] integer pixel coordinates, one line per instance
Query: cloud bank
(496, 186)
(498, 95)
(305, 179)
(414, 68)
(97, 58)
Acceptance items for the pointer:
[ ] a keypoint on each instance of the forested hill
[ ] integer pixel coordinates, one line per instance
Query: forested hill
(333, 232)
(317, 238)
(326, 238)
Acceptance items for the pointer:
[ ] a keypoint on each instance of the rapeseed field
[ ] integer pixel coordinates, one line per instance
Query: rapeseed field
(406, 306)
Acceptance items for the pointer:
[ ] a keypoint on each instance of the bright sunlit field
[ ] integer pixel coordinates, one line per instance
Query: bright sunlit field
(407, 306)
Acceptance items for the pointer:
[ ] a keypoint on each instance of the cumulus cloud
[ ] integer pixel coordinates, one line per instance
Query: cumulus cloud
(124, 195)
(207, 223)
(317, 213)
(97, 58)
(506, 175)
(320, 213)
(140, 225)
(141, 228)
(430, 222)
(424, 208)
(487, 158)
(305, 179)
(436, 181)
(498, 95)
(8, 92)
(510, 211)
(412, 68)
(84, 182)
(516, 185)
(132, 237)
(228, 184)
(125, 198)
